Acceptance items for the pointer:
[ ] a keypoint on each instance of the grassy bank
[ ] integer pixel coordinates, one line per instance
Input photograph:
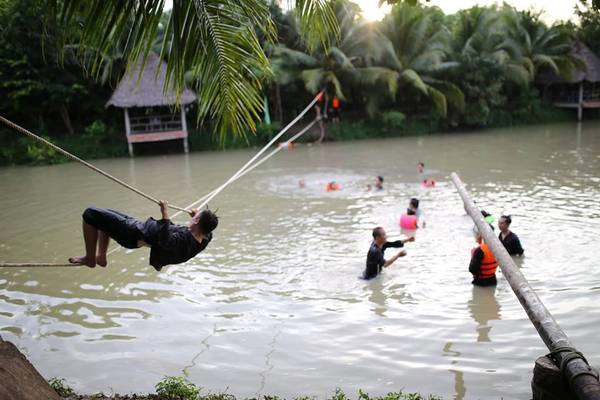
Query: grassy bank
(98, 142)
(179, 388)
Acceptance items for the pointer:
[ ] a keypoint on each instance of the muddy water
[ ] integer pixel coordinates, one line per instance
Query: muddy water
(274, 305)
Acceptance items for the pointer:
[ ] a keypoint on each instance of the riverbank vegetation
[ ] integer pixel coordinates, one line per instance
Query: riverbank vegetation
(179, 388)
(417, 71)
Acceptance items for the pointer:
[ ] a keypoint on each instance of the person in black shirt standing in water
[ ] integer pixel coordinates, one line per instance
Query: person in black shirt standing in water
(169, 243)
(511, 242)
(375, 260)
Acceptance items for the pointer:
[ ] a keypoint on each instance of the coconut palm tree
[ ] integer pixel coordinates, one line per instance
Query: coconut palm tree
(541, 46)
(489, 63)
(349, 63)
(417, 46)
(215, 39)
(481, 35)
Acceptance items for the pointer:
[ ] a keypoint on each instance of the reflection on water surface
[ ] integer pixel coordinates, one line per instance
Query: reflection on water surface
(275, 304)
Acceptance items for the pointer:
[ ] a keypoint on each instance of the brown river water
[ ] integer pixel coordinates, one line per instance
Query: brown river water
(275, 305)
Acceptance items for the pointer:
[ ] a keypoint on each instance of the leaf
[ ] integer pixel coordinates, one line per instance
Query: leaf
(413, 79)
(439, 101)
(318, 24)
(215, 39)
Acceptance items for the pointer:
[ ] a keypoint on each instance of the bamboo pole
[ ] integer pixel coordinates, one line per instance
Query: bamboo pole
(582, 379)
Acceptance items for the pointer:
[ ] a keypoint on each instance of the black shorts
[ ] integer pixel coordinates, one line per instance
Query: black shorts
(120, 227)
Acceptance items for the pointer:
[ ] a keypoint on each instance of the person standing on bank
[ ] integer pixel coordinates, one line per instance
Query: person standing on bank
(511, 242)
(483, 264)
(375, 260)
(169, 243)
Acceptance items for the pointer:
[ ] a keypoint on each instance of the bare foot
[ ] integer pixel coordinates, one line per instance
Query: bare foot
(83, 260)
(101, 260)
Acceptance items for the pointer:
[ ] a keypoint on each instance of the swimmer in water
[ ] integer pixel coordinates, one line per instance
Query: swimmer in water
(414, 205)
(375, 260)
(420, 167)
(511, 242)
(483, 264)
(378, 183)
(332, 186)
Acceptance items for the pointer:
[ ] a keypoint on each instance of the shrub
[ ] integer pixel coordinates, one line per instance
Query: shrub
(393, 119)
(61, 387)
(176, 388)
(39, 153)
(96, 129)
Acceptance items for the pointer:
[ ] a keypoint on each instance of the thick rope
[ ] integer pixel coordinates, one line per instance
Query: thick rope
(73, 157)
(34, 265)
(241, 172)
(204, 200)
(234, 177)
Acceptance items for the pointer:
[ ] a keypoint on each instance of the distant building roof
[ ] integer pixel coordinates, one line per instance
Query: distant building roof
(147, 90)
(590, 74)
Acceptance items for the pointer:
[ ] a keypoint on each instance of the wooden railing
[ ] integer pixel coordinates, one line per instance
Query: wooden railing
(572, 96)
(155, 123)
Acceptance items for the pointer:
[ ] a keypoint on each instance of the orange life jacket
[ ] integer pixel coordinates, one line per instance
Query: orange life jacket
(488, 264)
(335, 103)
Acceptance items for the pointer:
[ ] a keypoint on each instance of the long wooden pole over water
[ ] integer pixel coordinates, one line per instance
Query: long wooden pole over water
(582, 379)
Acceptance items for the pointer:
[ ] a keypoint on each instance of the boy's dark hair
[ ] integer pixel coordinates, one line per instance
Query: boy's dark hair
(410, 211)
(421, 163)
(414, 202)
(208, 221)
(485, 213)
(377, 232)
(380, 178)
(507, 218)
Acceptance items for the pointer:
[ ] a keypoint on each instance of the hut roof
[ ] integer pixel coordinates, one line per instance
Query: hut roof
(147, 90)
(591, 73)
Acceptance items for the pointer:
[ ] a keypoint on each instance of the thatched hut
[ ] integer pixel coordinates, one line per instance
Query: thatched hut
(581, 91)
(150, 113)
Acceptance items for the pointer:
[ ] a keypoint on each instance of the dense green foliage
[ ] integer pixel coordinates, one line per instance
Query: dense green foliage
(588, 12)
(417, 71)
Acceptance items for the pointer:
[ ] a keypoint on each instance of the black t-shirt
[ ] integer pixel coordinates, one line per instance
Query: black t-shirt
(375, 259)
(512, 244)
(170, 244)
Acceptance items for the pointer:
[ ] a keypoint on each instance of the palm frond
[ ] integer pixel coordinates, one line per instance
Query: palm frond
(214, 39)
(543, 60)
(369, 77)
(439, 101)
(454, 96)
(294, 58)
(412, 78)
(314, 79)
(318, 23)
(517, 74)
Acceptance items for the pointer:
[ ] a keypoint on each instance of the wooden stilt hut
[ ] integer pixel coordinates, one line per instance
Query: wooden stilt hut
(149, 110)
(581, 91)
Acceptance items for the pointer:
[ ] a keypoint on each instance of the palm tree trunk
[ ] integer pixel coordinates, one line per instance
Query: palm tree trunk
(64, 113)
(278, 102)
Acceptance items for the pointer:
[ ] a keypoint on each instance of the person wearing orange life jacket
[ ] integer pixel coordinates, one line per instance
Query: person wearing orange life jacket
(335, 110)
(483, 264)
(332, 186)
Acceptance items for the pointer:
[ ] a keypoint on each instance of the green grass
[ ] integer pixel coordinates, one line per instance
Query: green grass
(180, 388)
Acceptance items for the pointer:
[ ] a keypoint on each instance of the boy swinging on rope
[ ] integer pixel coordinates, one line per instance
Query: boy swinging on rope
(169, 243)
